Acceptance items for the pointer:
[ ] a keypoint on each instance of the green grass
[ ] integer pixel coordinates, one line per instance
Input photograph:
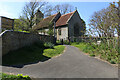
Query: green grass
(14, 77)
(107, 53)
(54, 52)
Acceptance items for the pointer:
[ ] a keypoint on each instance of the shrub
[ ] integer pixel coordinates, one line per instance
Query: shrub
(93, 55)
(49, 45)
(58, 42)
(66, 42)
(112, 61)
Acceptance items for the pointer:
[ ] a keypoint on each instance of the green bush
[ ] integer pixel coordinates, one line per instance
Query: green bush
(58, 42)
(93, 55)
(23, 31)
(66, 42)
(112, 61)
(49, 45)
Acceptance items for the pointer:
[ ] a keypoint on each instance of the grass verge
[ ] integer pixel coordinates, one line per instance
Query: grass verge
(108, 54)
(14, 77)
(54, 52)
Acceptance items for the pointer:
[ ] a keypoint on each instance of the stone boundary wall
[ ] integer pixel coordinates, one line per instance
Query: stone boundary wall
(13, 40)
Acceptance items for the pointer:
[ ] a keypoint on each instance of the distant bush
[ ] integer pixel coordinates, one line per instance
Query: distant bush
(66, 42)
(58, 42)
(49, 45)
(22, 31)
(93, 55)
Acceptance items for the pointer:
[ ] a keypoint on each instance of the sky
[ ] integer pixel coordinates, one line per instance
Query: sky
(85, 9)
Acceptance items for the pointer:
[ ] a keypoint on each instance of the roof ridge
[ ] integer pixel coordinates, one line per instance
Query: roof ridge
(61, 15)
(50, 16)
(71, 16)
(55, 15)
(68, 13)
(64, 18)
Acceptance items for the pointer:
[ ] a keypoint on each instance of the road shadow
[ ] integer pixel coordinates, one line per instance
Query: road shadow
(21, 65)
(25, 56)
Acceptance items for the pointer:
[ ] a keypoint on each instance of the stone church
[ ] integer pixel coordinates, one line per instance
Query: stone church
(67, 26)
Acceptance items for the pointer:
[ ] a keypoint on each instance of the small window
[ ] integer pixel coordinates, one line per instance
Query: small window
(59, 31)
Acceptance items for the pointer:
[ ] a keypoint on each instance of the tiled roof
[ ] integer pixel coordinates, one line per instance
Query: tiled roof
(63, 19)
(60, 22)
(45, 22)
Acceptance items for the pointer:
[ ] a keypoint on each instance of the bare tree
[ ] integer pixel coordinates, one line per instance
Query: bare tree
(63, 8)
(29, 11)
(104, 22)
(116, 6)
(48, 10)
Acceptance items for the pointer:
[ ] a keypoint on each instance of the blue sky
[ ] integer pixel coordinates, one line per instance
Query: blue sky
(85, 9)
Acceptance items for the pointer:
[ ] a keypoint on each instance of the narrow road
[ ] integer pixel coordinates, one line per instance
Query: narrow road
(71, 64)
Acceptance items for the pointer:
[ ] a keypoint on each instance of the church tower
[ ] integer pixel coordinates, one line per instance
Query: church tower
(38, 16)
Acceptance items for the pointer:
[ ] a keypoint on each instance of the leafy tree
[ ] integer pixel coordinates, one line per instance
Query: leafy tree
(50, 31)
(19, 25)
